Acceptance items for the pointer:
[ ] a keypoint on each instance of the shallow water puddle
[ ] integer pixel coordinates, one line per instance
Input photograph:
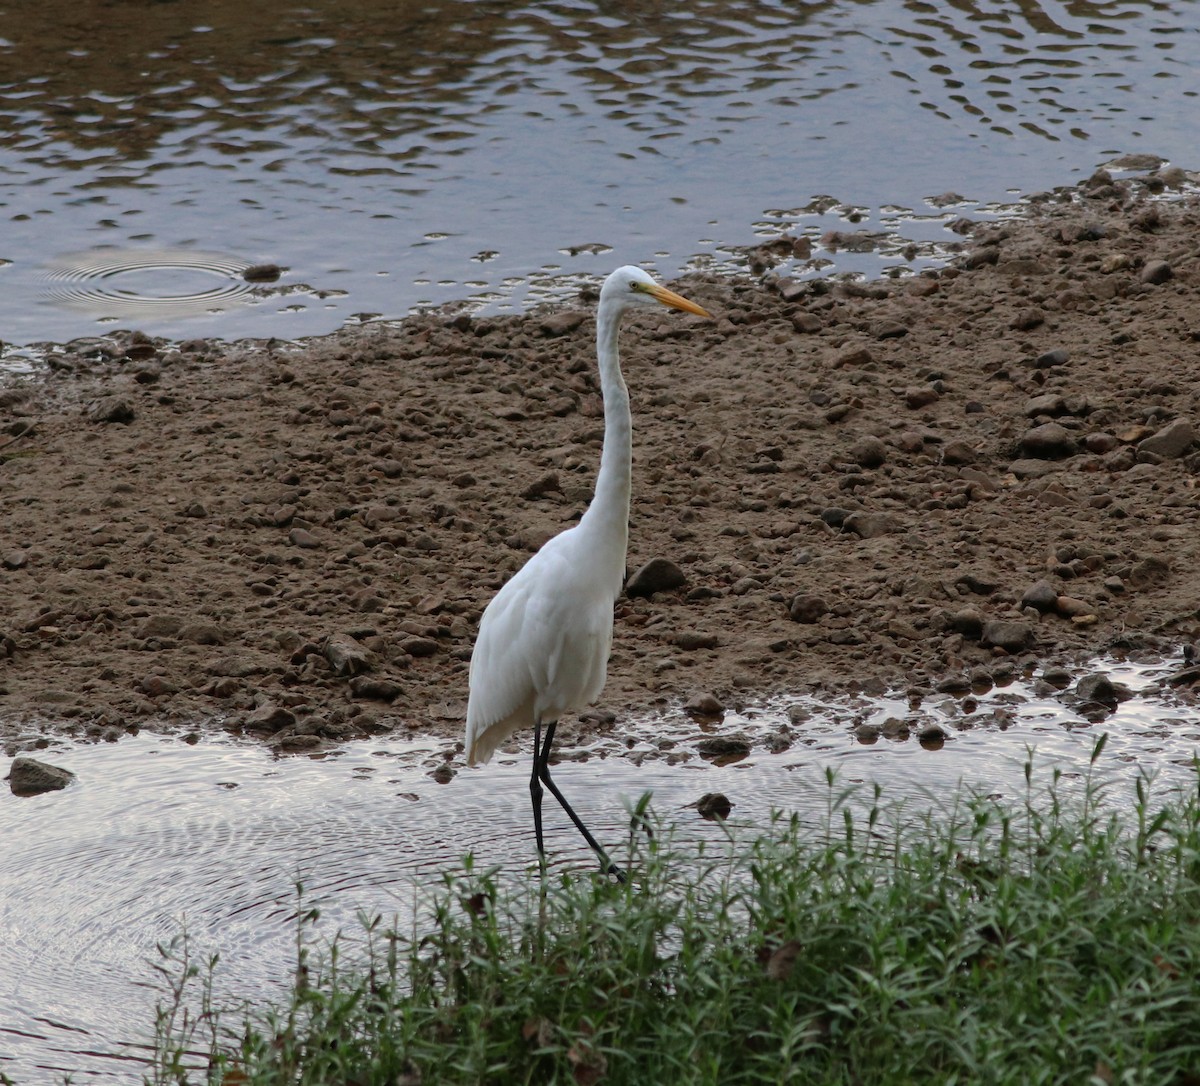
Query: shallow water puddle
(157, 834)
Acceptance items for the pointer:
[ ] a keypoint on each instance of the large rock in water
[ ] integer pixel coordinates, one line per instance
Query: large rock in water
(29, 777)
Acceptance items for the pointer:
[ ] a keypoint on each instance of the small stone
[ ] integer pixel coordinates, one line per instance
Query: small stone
(15, 559)
(724, 746)
(347, 656)
(203, 633)
(957, 453)
(895, 728)
(690, 640)
(921, 396)
(967, 622)
(1008, 634)
(806, 323)
(155, 686)
(713, 806)
(1070, 607)
(867, 733)
(547, 484)
(870, 452)
(704, 705)
(1050, 441)
(262, 273)
(364, 686)
(1027, 319)
(419, 646)
(835, 516)
(111, 409)
(1057, 357)
(807, 608)
(1148, 571)
(888, 330)
(931, 736)
(1040, 595)
(29, 777)
(657, 575)
(1155, 272)
(1171, 442)
(853, 357)
(159, 626)
(872, 525)
(560, 324)
(302, 537)
(1097, 687)
(1100, 443)
(1049, 404)
(270, 718)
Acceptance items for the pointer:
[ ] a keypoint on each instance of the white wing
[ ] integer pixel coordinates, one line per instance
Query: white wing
(543, 646)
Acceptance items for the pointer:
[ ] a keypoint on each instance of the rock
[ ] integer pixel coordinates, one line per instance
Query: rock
(957, 453)
(1148, 571)
(657, 575)
(704, 705)
(1070, 607)
(867, 733)
(1171, 442)
(15, 559)
(1057, 357)
(807, 608)
(713, 806)
(111, 409)
(302, 537)
(547, 484)
(262, 273)
(1040, 595)
(1008, 634)
(1031, 469)
(203, 633)
(835, 516)
(871, 525)
(270, 718)
(347, 656)
(870, 452)
(921, 396)
(967, 622)
(155, 686)
(560, 324)
(1050, 441)
(1155, 272)
(690, 640)
(853, 356)
(931, 736)
(1027, 319)
(724, 746)
(1097, 687)
(29, 777)
(895, 728)
(1049, 404)
(159, 626)
(888, 330)
(377, 689)
(806, 322)
(419, 646)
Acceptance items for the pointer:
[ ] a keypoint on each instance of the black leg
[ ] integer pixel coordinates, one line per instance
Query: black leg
(535, 790)
(541, 770)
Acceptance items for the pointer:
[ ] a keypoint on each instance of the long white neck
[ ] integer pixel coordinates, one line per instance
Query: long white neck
(607, 518)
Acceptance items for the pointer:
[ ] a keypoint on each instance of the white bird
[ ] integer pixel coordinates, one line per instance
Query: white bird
(544, 640)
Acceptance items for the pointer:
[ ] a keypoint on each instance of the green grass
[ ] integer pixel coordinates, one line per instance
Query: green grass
(1048, 942)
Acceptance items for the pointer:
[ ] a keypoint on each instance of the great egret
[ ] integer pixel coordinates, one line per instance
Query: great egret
(544, 640)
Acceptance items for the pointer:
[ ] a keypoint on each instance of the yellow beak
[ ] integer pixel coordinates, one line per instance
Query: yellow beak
(677, 301)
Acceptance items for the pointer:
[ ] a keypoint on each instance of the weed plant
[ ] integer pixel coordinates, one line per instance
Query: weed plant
(1052, 941)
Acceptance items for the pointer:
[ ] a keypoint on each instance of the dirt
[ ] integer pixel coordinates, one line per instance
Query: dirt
(913, 484)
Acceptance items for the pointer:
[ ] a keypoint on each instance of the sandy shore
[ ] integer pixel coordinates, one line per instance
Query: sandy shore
(907, 484)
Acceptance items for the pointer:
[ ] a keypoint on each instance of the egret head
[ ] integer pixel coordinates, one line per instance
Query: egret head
(631, 288)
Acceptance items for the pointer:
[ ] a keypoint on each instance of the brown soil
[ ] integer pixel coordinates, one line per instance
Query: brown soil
(860, 483)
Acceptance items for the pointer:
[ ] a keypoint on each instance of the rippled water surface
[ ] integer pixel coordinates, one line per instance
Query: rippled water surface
(394, 155)
(157, 835)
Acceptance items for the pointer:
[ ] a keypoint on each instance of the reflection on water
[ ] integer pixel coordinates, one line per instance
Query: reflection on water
(157, 833)
(397, 154)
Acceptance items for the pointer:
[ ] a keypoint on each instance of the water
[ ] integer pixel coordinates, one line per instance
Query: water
(158, 834)
(393, 156)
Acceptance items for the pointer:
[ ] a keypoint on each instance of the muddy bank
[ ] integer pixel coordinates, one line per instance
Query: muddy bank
(905, 484)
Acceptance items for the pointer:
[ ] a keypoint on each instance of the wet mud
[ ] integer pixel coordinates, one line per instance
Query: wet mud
(914, 484)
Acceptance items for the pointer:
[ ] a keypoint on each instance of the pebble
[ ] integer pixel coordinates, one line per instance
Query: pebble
(1050, 441)
(920, 396)
(967, 622)
(723, 746)
(895, 728)
(1156, 272)
(1008, 634)
(957, 453)
(29, 777)
(872, 525)
(302, 537)
(1070, 607)
(1027, 319)
(346, 655)
(1172, 441)
(807, 608)
(15, 559)
(1040, 595)
(1057, 357)
(704, 705)
(364, 686)
(262, 273)
(869, 452)
(690, 640)
(1097, 687)
(713, 806)
(657, 575)
(270, 718)
(111, 409)
(561, 324)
